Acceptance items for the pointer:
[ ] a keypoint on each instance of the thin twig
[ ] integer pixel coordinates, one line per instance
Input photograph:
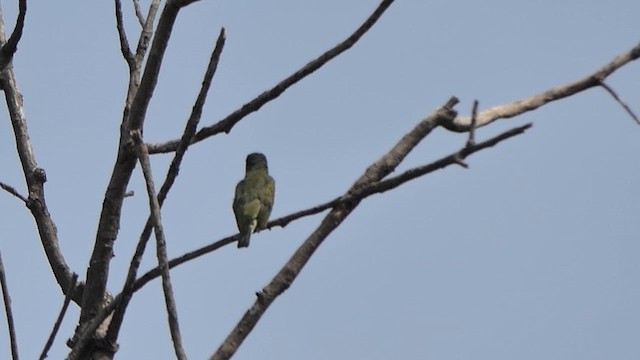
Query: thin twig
(161, 246)
(63, 311)
(122, 36)
(147, 31)
(462, 123)
(139, 15)
(622, 103)
(226, 124)
(12, 191)
(11, 46)
(189, 131)
(7, 309)
(474, 120)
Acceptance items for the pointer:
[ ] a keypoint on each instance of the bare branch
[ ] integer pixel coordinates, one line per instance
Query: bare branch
(189, 131)
(356, 196)
(12, 191)
(11, 46)
(7, 309)
(474, 121)
(147, 31)
(461, 124)
(161, 246)
(109, 223)
(139, 15)
(226, 124)
(122, 35)
(35, 178)
(285, 277)
(63, 311)
(622, 103)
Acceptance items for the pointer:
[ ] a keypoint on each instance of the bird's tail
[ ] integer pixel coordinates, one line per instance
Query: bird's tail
(244, 240)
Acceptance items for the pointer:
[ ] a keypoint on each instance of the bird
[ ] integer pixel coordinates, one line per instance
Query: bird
(253, 198)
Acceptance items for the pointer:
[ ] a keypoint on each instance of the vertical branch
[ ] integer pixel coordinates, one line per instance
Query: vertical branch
(109, 223)
(161, 245)
(189, 131)
(35, 177)
(122, 36)
(7, 309)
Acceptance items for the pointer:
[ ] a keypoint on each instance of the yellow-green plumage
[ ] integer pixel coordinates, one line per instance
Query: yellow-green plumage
(253, 200)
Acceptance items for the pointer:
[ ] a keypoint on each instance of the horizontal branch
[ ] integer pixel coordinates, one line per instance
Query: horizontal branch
(486, 117)
(356, 196)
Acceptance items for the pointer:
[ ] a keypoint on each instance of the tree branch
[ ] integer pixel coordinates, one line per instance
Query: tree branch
(35, 178)
(12, 191)
(619, 101)
(109, 223)
(356, 196)
(172, 174)
(226, 124)
(56, 326)
(122, 36)
(11, 46)
(461, 124)
(285, 277)
(161, 246)
(136, 6)
(7, 310)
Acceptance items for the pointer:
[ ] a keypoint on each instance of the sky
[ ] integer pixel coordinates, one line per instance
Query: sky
(531, 253)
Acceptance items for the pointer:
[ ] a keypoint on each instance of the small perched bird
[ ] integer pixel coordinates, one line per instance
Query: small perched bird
(253, 201)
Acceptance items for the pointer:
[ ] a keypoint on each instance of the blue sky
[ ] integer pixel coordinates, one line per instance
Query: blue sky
(530, 253)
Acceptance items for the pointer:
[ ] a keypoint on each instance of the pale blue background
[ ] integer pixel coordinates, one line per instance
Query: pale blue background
(532, 253)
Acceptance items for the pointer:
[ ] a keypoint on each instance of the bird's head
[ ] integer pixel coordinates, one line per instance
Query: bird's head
(256, 161)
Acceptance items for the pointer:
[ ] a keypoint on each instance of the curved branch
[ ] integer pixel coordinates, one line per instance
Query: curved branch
(617, 98)
(122, 36)
(11, 46)
(461, 124)
(226, 124)
(35, 178)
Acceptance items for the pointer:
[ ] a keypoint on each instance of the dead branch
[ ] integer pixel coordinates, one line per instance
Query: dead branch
(12, 191)
(56, 326)
(109, 223)
(619, 101)
(226, 124)
(11, 46)
(161, 245)
(461, 124)
(189, 131)
(8, 312)
(35, 178)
